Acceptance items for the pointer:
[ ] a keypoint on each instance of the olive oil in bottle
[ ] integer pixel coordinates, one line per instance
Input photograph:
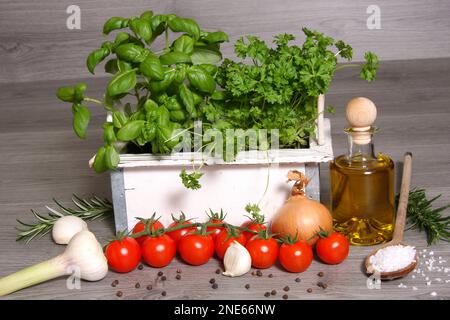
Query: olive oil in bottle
(362, 184)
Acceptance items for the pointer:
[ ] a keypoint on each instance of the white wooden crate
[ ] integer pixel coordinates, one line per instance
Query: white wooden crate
(146, 183)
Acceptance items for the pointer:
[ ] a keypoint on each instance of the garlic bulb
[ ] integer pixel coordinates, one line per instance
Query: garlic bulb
(66, 227)
(237, 260)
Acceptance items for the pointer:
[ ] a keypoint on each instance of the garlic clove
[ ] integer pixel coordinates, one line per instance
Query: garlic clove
(66, 227)
(237, 260)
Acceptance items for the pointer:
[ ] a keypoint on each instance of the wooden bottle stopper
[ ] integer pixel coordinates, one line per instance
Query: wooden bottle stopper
(361, 114)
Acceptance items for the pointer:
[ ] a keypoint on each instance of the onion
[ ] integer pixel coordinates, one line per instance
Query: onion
(300, 215)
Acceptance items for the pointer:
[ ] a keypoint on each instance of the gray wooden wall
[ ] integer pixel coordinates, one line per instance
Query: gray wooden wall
(35, 44)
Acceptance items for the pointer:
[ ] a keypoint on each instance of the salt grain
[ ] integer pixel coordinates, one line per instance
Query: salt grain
(434, 294)
(393, 258)
(414, 288)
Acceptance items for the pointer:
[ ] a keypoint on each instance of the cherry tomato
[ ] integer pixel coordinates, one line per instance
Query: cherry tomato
(296, 257)
(222, 243)
(216, 218)
(177, 234)
(123, 255)
(257, 227)
(196, 249)
(333, 248)
(264, 252)
(140, 226)
(159, 251)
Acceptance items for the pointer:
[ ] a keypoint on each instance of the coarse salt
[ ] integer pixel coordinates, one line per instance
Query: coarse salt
(393, 258)
(434, 294)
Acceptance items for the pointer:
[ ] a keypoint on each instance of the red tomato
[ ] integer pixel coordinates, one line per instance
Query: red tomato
(177, 234)
(159, 251)
(140, 226)
(222, 243)
(296, 257)
(257, 227)
(196, 249)
(123, 255)
(264, 252)
(216, 218)
(333, 249)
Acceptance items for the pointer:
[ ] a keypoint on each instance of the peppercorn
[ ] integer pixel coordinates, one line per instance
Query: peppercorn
(163, 278)
(285, 296)
(119, 293)
(137, 285)
(273, 292)
(253, 273)
(259, 273)
(178, 277)
(270, 275)
(215, 286)
(212, 280)
(309, 290)
(286, 288)
(297, 280)
(160, 273)
(164, 293)
(320, 274)
(178, 271)
(114, 283)
(267, 294)
(149, 287)
(247, 286)
(140, 267)
(218, 271)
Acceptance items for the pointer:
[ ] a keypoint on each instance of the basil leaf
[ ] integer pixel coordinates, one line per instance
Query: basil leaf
(111, 158)
(177, 116)
(114, 23)
(188, 26)
(149, 131)
(95, 57)
(150, 105)
(111, 66)
(66, 94)
(79, 90)
(210, 68)
(147, 15)
(205, 56)
(131, 53)
(81, 117)
(99, 161)
(119, 119)
(158, 86)
(216, 37)
(121, 37)
(131, 130)
(174, 57)
(187, 98)
(108, 133)
(218, 95)
(142, 28)
(201, 80)
(172, 104)
(122, 82)
(157, 22)
(184, 44)
(151, 67)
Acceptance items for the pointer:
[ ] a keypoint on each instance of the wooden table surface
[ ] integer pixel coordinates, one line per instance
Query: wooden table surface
(41, 158)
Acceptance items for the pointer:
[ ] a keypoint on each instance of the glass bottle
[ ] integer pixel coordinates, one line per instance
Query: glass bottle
(362, 184)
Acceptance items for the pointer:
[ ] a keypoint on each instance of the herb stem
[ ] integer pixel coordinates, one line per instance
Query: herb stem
(93, 100)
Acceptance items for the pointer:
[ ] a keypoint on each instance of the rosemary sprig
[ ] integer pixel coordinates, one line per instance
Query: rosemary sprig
(421, 216)
(86, 209)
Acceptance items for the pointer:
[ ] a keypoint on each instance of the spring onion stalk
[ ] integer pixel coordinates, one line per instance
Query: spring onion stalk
(83, 253)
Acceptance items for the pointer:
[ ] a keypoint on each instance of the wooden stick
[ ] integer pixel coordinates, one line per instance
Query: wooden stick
(404, 196)
(320, 127)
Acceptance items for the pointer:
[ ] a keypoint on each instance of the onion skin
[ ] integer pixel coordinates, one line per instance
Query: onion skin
(302, 216)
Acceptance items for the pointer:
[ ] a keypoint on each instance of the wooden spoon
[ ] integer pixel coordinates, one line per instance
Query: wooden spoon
(399, 227)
